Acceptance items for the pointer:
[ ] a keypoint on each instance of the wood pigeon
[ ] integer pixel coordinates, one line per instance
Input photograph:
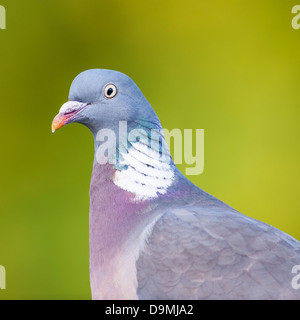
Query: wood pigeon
(153, 233)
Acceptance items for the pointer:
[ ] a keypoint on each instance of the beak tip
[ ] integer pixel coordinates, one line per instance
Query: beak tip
(58, 122)
(53, 127)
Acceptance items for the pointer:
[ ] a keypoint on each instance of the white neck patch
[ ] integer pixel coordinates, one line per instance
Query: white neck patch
(147, 175)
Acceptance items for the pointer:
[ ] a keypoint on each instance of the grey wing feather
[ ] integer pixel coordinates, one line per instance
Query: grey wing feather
(205, 253)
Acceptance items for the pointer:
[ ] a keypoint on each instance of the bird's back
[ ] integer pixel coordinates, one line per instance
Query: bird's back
(206, 252)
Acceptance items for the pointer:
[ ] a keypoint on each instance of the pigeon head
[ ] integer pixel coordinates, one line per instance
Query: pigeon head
(127, 133)
(101, 98)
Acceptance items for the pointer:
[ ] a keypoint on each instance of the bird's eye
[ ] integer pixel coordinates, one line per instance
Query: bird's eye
(110, 90)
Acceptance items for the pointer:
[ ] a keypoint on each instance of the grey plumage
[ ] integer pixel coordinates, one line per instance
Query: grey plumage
(218, 254)
(154, 234)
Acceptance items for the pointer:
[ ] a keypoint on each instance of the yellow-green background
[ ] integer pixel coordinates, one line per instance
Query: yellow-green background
(229, 67)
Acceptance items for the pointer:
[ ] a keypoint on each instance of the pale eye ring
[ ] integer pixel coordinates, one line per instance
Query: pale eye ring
(110, 90)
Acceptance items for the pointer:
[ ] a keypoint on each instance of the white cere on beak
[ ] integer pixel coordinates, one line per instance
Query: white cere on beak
(71, 106)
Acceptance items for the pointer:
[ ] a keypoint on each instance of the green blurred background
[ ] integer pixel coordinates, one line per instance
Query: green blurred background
(229, 67)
